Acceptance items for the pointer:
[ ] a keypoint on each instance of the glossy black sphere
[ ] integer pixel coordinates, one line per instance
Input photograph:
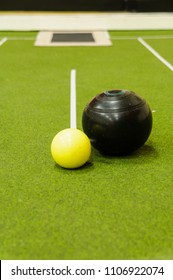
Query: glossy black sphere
(117, 122)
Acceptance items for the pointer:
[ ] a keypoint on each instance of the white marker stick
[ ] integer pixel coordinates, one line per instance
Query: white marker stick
(73, 99)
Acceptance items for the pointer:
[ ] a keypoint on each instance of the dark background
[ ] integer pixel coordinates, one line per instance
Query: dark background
(87, 5)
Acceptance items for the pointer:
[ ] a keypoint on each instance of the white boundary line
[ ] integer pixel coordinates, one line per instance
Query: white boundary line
(144, 37)
(3, 40)
(157, 36)
(73, 98)
(21, 38)
(110, 37)
(156, 54)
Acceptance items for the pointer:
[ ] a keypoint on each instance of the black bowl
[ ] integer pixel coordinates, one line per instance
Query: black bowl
(117, 122)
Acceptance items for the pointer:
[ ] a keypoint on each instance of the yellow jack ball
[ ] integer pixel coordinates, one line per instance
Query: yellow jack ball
(71, 148)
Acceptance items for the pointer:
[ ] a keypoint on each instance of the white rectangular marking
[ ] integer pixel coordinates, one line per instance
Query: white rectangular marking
(44, 38)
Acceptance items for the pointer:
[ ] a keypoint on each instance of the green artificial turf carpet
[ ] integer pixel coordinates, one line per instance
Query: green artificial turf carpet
(111, 208)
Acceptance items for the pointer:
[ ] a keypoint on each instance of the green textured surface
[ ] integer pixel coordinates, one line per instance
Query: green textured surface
(112, 208)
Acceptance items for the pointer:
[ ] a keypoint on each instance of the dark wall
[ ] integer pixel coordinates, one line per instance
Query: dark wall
(62, 5)
(154, 5)
(87, 5)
